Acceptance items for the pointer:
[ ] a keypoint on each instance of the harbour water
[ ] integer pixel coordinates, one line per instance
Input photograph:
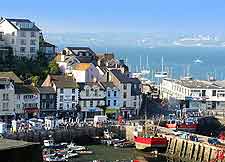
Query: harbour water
(104, 153)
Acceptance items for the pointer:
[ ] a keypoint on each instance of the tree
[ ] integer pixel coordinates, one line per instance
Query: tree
(35, 80)
(53, 68)
(104, 108)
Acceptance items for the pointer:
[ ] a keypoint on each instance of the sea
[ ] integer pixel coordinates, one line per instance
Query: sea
(198, 62)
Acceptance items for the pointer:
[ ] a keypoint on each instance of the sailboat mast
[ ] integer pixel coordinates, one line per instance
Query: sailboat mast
(147, 63)
(162, 64)
(140, 63)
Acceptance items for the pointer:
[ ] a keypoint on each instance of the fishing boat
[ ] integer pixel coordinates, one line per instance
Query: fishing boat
(145, 140)
(188, 125)
(56, 157)
(71, 154)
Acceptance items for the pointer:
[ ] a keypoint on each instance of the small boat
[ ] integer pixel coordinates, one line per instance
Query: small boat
(54, 157)
(72, 146)
(124, 145)
(85, 152)
(71, 154)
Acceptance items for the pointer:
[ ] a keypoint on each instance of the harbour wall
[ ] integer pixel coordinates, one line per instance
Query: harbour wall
(186, 150)
(78, 135)
(19, 151)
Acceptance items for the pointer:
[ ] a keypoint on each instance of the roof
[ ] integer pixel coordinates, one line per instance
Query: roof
(11, 21)
(46, 90)
(47, 44)
(108, 84)
(135, 81)
(62, 81)
(123, 78)
(82, 66)
(196, 84)
(25, 89)
(12, 76)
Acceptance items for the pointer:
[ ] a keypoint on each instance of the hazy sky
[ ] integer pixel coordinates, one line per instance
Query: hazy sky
(186, 16)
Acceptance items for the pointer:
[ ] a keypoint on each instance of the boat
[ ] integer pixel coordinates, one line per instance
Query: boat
(72, 146)
(124, 145)
(188, 125)
(56, 157)
(162, 73)
(71, 154)
(85, 152)
(198, 61)
(145, 140)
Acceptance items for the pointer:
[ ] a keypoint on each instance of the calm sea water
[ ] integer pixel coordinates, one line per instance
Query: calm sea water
(179, 59)
(110, 154)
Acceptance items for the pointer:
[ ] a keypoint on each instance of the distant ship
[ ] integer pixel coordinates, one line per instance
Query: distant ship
(198, 61)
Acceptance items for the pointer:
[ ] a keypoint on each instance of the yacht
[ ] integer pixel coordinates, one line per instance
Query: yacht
(162, 73)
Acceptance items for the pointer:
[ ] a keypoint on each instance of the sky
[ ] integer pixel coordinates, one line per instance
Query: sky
(89, 16)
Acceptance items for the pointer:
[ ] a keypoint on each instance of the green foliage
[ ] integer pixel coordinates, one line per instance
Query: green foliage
(33, 70)
(53, 68)
(104, 108)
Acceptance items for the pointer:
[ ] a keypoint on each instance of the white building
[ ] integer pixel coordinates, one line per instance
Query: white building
(85, 72)
(7, 93)
(92, 95)
(193, 93)
(22, 35)
(130, 91)
(67, 92)
(27, 101)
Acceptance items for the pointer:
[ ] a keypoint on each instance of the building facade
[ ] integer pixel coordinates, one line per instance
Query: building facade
(47, 101)
(92, 97)
(27, 101)
(22, 35)
(193, 94)
(7, 101)
(67, 93)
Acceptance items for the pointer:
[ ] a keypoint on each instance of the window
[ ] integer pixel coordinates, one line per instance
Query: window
(13, 33)
(87, 92)
(73, 106)
(115, 93)
(18, 97)
(43, 96)
(32, 42)
(124, 103)
(73, 91)
(124, 86)
(91, 103)
(124, 95)
(108, 93)
(114, 103)
(51, 97)
(5, 107)
(18, 106)
(61, 106)
(135, 86)
(85, 104)
(98, 102)
(96, 92)
(213, 92)
(22, 49)
(108, 103)
(135, 104)
(23, 42)
(61, 90)
(61, 99)
(13, 41)
(33, 34)
(5, 97)
(32, 49)
(23, 34)
(73, 98)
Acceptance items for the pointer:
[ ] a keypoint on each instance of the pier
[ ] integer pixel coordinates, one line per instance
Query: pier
(12, 151)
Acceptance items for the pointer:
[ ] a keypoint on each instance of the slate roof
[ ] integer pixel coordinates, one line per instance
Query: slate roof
(12, 76)
(62, 81)
(47, 44)
(25, 89)
(11, 21)
(46, 90)
(123, 78)
(108, 84)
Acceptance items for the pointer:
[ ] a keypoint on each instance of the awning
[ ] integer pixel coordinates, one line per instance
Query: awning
(110, 111)
(31, 110)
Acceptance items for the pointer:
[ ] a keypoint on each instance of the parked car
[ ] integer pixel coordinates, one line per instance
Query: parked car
(214, 141)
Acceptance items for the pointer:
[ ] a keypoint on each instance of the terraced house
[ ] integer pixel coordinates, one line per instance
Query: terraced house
(22, 35)
(66, 89)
